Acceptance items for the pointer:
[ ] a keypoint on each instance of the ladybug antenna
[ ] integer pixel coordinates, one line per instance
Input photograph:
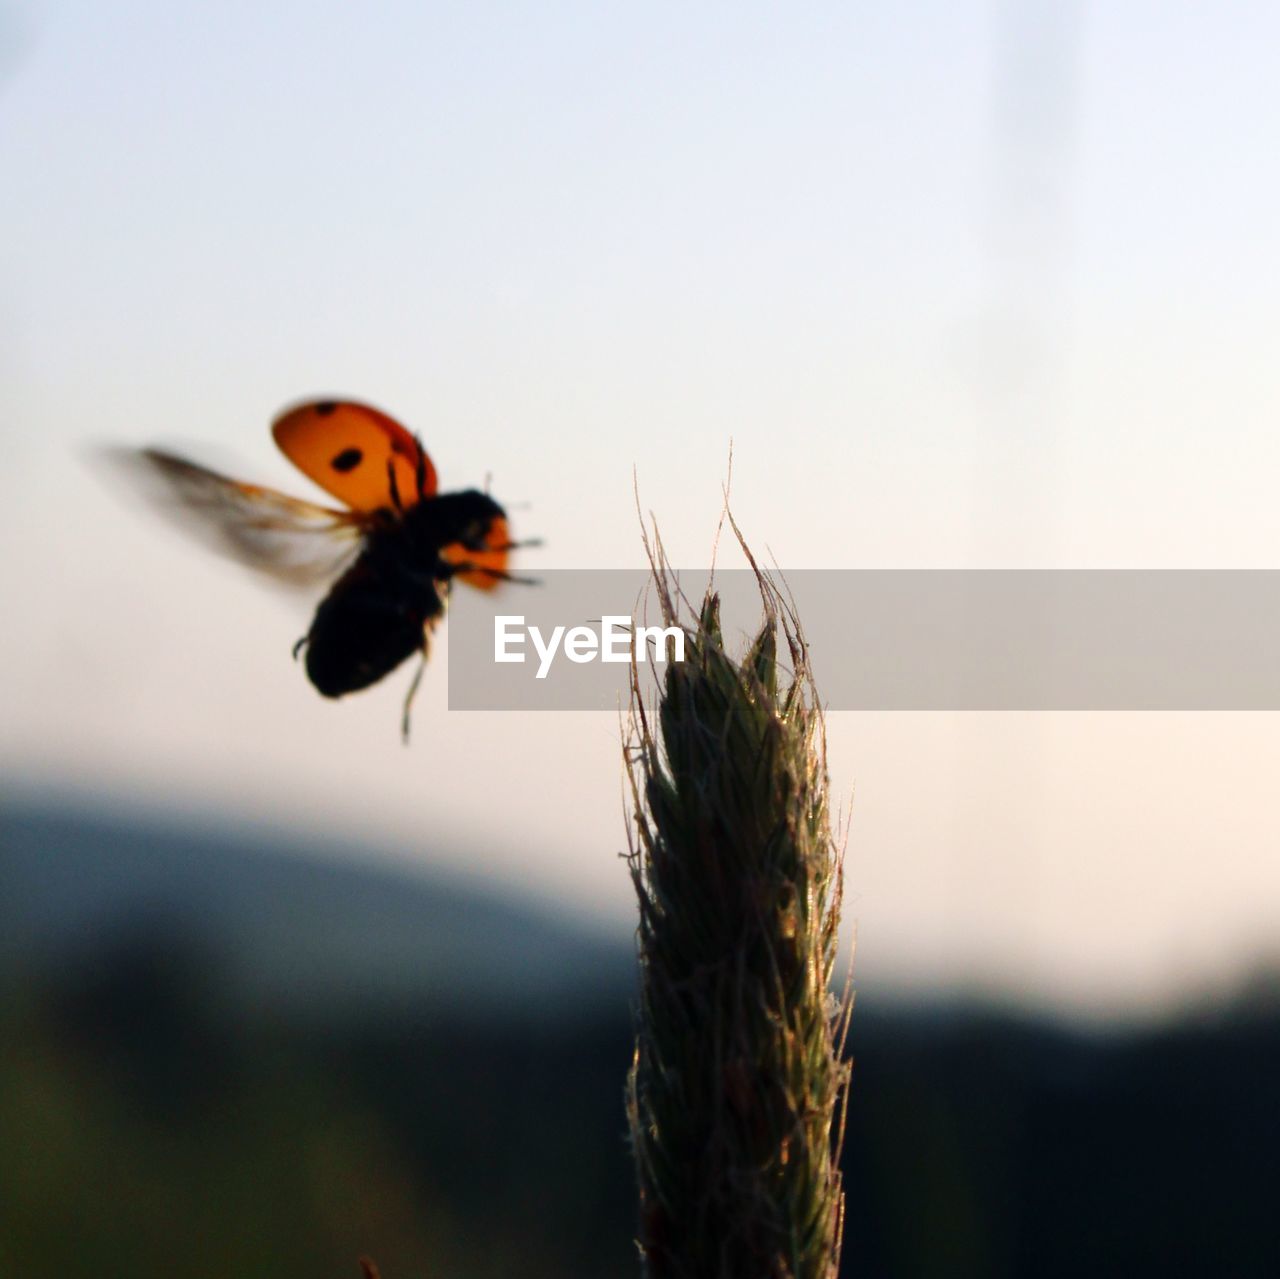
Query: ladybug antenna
(498, 574)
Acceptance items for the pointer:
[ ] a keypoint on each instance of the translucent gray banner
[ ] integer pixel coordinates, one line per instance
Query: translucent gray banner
(901, 640)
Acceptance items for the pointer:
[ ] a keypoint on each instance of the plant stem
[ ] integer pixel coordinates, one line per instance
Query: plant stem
(738, 1078)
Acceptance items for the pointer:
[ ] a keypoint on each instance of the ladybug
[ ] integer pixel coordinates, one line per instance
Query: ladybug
(390, 554)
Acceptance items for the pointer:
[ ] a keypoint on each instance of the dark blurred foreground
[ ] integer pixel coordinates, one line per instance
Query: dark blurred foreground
(178, 1096)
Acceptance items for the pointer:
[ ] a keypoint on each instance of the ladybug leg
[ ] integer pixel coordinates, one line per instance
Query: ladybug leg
(299, 646)
(417, 679)
(410, 695)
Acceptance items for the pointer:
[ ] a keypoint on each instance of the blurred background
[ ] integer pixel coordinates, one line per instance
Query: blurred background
(970, 285)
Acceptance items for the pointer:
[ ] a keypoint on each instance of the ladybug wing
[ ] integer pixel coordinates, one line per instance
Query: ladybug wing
(357, 453)
(294, 542)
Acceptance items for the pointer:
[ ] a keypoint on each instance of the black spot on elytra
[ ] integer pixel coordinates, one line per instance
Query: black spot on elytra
(325, 407)
(347, 460)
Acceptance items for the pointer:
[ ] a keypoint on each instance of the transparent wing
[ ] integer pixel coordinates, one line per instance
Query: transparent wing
(294, 542)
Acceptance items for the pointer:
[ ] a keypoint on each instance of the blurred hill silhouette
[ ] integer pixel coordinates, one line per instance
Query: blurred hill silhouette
(221, 1060)
(290, 928)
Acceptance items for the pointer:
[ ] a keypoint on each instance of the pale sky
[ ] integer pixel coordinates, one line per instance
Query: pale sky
(968, 285)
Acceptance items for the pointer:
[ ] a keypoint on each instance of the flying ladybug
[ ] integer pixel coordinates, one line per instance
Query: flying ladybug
(392, 552)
